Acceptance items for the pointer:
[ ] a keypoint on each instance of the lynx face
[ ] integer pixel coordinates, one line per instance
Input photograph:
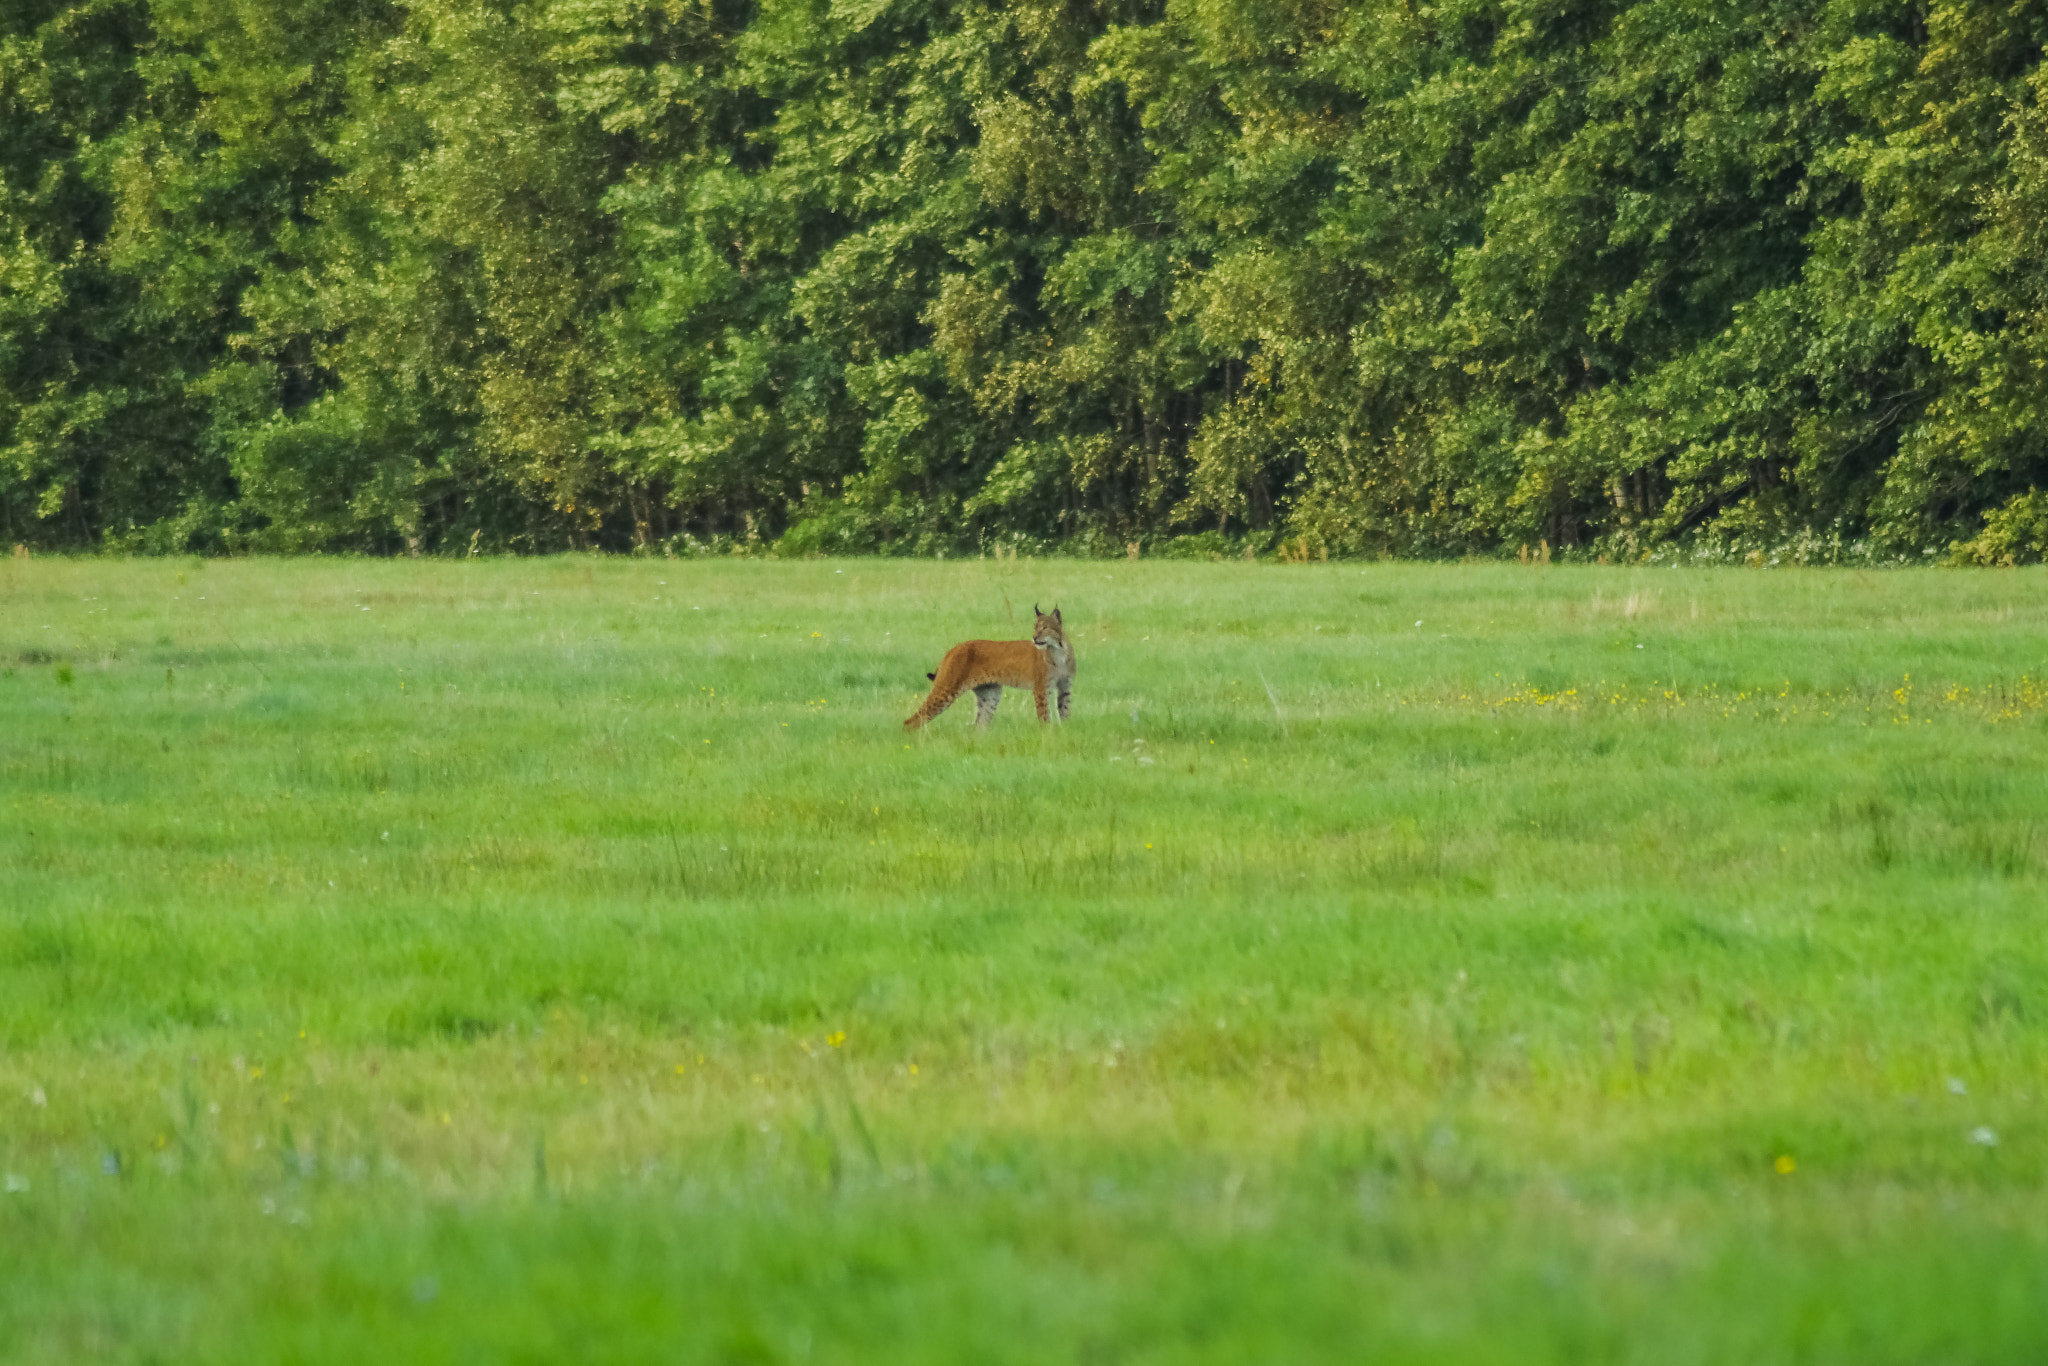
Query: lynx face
(1049, 635)
(1048, 632)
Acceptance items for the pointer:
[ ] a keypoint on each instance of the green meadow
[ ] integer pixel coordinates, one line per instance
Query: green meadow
(574, 959)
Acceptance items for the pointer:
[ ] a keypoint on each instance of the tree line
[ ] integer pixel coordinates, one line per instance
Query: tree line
(1591, 277)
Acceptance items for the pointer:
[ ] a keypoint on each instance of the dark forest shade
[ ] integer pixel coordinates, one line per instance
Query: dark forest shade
(928, 276)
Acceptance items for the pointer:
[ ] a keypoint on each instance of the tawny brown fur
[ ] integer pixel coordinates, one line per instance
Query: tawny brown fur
(1044, 664)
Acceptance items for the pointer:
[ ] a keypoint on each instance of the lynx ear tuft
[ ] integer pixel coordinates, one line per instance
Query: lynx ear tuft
(1056, 614)
(1035, 612)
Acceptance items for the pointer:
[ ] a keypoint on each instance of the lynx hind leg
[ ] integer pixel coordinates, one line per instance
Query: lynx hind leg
(937, 702)
(986, 699)
(1066, 694)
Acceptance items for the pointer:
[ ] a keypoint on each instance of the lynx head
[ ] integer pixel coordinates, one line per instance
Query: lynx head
(1048, 631)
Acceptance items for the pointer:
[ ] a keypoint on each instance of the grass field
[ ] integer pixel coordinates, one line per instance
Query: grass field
(574, 960)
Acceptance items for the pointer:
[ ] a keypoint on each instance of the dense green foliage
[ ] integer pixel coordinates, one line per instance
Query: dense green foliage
(940, 275)
(572, 959)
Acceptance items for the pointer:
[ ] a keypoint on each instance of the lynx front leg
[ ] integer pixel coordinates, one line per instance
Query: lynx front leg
(1066, 692)
(986, 697)
(1038, 696)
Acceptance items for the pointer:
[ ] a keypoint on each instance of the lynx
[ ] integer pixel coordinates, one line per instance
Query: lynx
(1043, 662)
